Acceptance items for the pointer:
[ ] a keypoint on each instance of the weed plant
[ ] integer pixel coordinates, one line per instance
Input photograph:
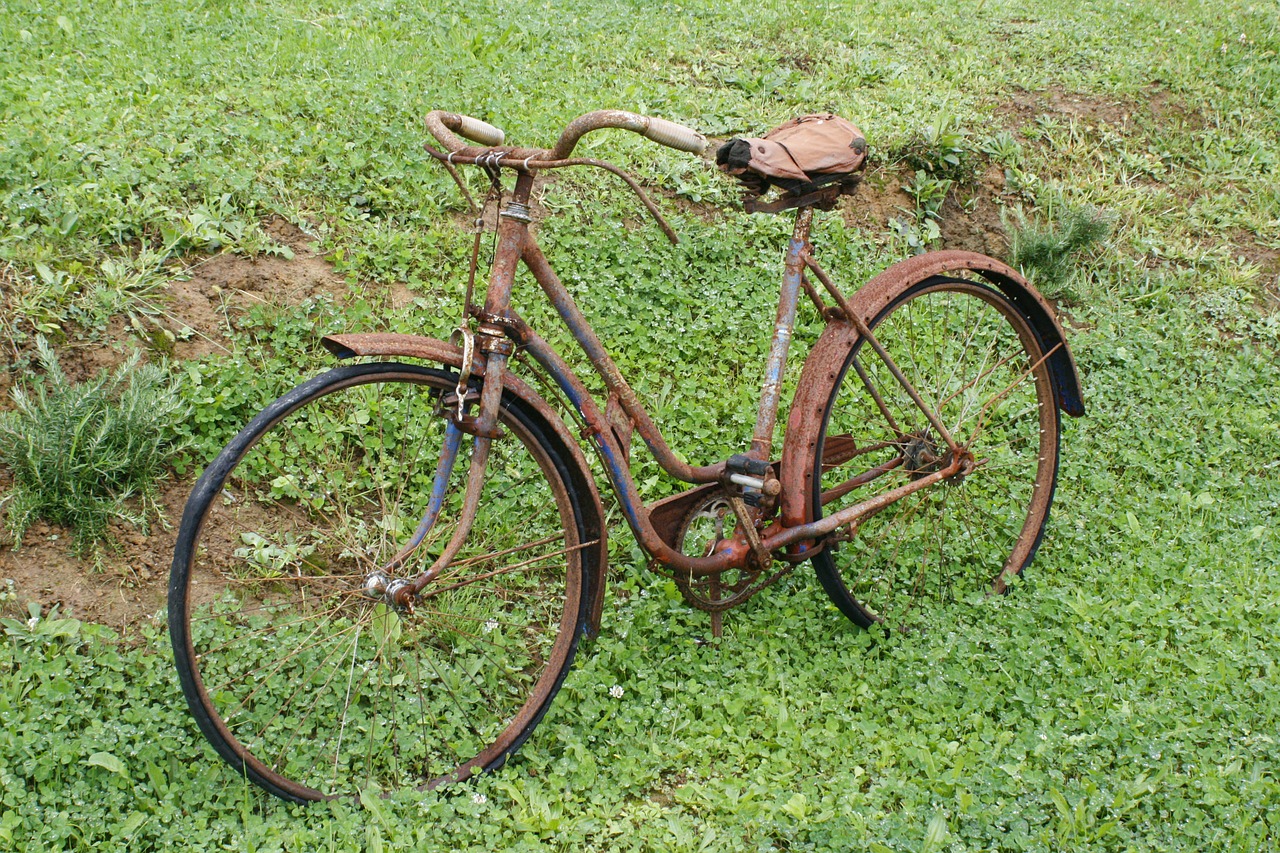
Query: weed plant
(84, 455)
(1047, 251)
(942, 149)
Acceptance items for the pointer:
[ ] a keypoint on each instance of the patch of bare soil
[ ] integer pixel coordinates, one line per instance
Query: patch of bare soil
(1245, 245)
(201, 306)
(878, 199)
(124, 589)
(125, 585)
(969, 218)
(1156, 107)
(1092, 109)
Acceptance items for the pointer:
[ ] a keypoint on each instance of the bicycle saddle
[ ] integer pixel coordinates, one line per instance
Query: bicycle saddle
(799, 156)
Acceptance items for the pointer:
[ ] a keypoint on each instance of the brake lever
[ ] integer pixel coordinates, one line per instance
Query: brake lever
(638, 190)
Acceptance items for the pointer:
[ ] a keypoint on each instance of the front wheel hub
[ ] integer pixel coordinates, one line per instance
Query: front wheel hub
(375, 585)
(400, 595)
(968, 464)
(920, 455)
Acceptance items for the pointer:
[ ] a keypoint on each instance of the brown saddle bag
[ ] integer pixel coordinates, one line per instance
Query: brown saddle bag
(798, 157)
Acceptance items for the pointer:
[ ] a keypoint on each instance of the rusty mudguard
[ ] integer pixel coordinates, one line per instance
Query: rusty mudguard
(823, 366)
(439, 352)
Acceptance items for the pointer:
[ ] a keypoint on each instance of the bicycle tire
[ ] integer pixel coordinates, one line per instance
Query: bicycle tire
(977, 360)
(312, 689)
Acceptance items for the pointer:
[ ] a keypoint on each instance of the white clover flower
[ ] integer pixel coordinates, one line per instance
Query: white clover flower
(616, 691)
(490, 625)
(479, 799)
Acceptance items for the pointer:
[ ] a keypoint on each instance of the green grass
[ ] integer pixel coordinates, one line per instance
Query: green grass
(1122, 698)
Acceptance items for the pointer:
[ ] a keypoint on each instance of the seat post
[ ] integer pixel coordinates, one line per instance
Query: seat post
(775, 367)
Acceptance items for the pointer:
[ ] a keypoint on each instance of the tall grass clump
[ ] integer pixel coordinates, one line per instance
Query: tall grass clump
(1046, 251)
(79, 453)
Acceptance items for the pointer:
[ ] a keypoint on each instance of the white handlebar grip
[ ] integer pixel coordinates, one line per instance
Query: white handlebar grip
(674, 135)
(480, 131)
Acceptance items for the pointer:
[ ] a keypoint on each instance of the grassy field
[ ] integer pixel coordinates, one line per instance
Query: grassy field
(1122, 698)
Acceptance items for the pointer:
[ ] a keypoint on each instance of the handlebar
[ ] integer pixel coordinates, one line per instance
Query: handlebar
(444, 125)
(659, 130)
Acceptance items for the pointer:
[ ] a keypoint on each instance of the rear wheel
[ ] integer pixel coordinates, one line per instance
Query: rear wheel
(302, 677)
(977, 362)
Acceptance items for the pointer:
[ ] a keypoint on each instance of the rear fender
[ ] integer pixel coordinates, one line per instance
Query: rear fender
(439, 352)
(823, 366)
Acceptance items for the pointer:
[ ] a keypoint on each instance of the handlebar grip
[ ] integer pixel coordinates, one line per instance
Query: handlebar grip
(676, 136)
(479, 131)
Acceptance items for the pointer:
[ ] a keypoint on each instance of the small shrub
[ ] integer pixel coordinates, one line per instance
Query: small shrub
(79, 452)
(941, 150)
(929, 194)
(1044, 250)
(1003, 147)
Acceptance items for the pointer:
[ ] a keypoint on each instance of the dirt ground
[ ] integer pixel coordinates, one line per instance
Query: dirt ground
(124, 584)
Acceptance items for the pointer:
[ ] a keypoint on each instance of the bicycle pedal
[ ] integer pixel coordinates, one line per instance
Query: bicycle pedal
(755, 478)
(746, 472)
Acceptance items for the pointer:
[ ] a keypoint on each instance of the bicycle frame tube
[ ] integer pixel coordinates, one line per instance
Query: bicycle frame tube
(608, 372)
(514, 237)
(498, 322)
(784, 325)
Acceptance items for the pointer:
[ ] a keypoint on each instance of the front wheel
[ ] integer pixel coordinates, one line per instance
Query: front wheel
(303, 678)
(977, 362)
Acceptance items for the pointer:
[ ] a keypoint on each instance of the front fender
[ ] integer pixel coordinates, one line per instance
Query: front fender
(822, 367)
(437, 351)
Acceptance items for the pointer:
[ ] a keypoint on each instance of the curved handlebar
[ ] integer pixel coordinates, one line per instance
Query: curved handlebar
(660, 130)
(443, 125)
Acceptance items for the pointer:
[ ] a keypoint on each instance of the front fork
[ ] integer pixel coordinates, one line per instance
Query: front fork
(401, 593)
(496, 348)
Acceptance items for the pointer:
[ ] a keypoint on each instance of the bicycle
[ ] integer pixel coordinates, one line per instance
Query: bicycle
(412, 552)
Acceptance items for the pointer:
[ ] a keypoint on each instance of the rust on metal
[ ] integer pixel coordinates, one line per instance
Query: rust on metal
(621, 424)
(824, 310)
(823, 199)
(669, 514)
(470, 505)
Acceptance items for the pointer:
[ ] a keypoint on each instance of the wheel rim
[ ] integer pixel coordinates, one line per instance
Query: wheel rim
(978, 363)
(314, 687)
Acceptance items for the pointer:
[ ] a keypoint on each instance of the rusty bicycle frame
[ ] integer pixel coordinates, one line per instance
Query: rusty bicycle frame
(769, 498)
